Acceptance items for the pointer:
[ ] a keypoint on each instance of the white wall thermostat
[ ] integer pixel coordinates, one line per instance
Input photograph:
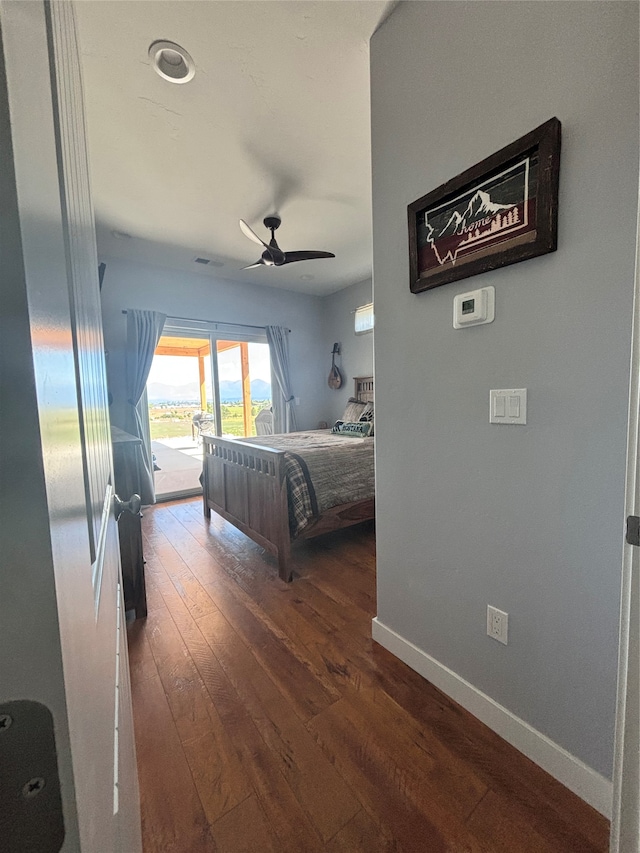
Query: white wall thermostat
(474, 308)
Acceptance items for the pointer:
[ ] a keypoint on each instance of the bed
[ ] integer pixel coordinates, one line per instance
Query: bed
(277, 489)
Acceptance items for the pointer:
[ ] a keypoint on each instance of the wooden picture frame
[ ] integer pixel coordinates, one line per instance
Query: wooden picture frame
(499, 212)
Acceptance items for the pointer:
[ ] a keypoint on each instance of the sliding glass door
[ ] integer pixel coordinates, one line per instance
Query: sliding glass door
(244, 386)
(180, 396)
(205, 379)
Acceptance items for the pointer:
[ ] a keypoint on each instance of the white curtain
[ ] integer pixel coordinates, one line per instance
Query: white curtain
(143, 333)
(284, 419)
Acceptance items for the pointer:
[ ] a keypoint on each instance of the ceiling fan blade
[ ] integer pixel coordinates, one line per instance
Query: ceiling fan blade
(292, 257)
(259, 263)
(251, 234)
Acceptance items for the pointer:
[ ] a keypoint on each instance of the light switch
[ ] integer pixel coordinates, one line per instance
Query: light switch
(508, 406)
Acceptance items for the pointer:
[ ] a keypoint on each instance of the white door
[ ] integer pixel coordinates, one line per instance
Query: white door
(61, 609)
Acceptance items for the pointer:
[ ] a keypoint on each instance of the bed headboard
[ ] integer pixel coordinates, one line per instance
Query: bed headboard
(363, 390)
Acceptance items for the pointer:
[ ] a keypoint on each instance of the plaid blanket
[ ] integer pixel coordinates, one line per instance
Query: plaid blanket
(322, 470)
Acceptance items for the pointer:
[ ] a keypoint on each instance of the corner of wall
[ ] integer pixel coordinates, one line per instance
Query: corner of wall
(574, 774)
(356, 351)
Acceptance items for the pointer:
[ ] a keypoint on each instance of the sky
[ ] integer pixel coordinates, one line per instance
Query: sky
(180, 370)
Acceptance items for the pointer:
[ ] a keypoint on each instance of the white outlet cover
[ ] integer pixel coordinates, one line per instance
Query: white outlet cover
(498, 624)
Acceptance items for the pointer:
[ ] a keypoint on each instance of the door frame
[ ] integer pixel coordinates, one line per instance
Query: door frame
(625, 818)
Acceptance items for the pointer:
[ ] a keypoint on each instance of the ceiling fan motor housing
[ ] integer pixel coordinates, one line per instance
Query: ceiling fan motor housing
(272, 222)
(273, 256)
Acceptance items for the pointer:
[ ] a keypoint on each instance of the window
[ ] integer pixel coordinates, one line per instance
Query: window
(364, 319)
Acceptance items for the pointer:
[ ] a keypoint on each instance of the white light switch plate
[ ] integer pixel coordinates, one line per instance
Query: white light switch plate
(508, 406)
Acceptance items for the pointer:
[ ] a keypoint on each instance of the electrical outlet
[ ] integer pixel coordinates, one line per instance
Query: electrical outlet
(497, 624)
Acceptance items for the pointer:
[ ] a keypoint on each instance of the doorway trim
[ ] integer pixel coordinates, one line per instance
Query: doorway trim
(625, 818)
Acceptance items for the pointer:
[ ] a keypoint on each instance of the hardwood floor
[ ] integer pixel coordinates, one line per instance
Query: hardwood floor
(268, 720)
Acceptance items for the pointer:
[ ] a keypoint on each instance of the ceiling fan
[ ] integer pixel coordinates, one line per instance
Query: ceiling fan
(273, 256)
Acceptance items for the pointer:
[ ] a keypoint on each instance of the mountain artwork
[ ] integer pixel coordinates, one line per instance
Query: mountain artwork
(495, 211)
(501, 211)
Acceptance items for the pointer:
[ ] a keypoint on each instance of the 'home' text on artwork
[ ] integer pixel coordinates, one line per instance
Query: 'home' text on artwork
(496, 210)
(482, 221)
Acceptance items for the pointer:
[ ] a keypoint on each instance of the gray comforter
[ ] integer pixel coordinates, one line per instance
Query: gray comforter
(323, 471)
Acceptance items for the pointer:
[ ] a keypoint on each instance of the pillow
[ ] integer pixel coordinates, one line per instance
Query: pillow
(367, 411)
(367, 416)
(353, 411)
(356, 429)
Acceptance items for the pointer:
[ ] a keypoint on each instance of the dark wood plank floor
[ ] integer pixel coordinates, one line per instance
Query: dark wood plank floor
(268, 720)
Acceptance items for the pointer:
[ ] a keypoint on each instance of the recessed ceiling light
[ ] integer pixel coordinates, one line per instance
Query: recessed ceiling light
(306, 277)
(121, 235)
(172, 62)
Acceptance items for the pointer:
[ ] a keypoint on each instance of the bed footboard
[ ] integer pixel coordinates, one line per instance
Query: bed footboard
(245, 484)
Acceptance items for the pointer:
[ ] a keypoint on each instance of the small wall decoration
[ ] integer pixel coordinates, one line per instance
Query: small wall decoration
(335, 377)
(499, 212)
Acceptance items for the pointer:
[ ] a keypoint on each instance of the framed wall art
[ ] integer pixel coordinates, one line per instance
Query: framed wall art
(499, 212)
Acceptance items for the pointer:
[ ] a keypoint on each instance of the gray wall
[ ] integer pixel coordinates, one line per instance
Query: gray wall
(177, 294)
(356, 357)
(526, 518)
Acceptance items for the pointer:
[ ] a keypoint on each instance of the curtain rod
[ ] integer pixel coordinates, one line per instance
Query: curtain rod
(212, 322)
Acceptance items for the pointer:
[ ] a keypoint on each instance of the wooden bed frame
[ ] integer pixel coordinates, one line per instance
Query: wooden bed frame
(245, 484)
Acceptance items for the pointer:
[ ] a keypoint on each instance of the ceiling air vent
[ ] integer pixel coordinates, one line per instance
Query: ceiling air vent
(208, 262)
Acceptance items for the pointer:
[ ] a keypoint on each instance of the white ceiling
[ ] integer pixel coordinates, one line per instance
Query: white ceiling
(276, 119)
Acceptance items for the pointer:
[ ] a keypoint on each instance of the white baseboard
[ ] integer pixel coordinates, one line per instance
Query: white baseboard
(573, 773)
